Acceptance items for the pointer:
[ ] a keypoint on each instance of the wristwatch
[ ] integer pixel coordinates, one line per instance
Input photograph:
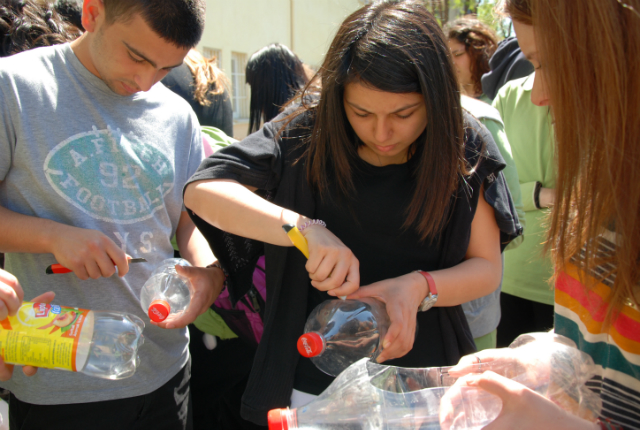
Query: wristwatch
(432, 297)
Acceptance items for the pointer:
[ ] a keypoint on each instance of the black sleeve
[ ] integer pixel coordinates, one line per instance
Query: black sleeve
(483, 153)
(255, 161)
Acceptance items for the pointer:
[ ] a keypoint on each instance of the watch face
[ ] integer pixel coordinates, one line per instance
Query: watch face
(428, 302)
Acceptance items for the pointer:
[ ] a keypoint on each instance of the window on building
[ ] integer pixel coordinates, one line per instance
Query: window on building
(213, 52)
(239, 88)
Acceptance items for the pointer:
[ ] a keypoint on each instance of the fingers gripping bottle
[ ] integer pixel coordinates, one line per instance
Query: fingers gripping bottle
(166, 292)
(340, 332)
(103, 344)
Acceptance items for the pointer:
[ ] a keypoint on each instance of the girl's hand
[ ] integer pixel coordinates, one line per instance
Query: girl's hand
(402, 296)
(332, 266)
(522, 408)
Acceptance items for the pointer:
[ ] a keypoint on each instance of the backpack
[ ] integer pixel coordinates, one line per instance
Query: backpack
(246, 318)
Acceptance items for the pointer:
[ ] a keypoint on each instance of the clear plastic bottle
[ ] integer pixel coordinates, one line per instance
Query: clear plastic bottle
(370, 396)
(340, 332)
(165, 292)
(103, 344)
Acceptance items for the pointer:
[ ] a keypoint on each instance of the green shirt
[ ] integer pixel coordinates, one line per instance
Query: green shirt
(529, 130)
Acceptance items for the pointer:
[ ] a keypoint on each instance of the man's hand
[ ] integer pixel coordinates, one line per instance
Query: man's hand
(6, 370)
(88, 253)
(207, 284)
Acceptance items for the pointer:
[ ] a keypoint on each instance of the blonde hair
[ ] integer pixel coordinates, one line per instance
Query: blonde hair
(591, 60)
(209, 79)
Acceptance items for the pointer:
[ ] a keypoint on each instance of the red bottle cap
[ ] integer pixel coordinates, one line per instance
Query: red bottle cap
(310, 344)
(159, 310)
(276, 420)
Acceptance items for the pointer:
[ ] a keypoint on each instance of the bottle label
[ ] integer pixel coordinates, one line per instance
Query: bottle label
(42, 335)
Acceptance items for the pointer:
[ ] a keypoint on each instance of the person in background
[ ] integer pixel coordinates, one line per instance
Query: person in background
(408, 185)
(206, 88)
(472, 43)
(484, 313)
(506, 64)
(105, 153)
(28, 24)
(275, 75)
(587, 61)
(527, 297)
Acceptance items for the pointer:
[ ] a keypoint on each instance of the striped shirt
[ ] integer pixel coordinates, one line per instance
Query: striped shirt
(579, 315)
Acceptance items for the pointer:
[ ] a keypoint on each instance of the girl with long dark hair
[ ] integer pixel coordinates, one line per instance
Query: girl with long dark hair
(404, 181)
(275, 74)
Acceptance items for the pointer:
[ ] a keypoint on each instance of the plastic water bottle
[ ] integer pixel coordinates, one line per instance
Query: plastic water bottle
(103, 344)
(165, 292)
(369, 395)
(340, 332)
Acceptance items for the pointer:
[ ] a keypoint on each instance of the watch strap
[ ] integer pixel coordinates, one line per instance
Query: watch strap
(430, 282)
(432, 297)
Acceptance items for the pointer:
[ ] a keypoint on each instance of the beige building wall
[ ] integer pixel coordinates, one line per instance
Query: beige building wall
(235, 29)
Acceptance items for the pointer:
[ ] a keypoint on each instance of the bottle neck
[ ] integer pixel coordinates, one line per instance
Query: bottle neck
(282, 419)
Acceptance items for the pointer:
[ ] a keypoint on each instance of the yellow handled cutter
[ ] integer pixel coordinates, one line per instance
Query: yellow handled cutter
(299, 241)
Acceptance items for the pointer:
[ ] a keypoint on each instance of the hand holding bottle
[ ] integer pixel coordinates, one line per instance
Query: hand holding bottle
(6, 370)
(402, 296)
(522, 408)
(207, 284)
(539, 381)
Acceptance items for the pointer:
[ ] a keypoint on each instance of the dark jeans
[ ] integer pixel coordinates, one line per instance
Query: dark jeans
(522, 316)
(219, 379)
(167, 408)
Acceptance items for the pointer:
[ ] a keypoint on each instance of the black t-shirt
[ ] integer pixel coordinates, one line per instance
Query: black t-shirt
(270, 161)
(371, 225)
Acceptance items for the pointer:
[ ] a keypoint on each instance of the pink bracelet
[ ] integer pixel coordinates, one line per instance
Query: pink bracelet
(312, 222)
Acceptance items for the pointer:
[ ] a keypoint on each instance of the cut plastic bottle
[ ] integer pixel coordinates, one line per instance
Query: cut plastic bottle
(340, 332)
(166, 292)
(368, 396)
(103, 344)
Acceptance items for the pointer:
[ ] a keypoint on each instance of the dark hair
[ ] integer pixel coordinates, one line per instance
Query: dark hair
(27, 24)
(480, 42)
(181, 22)
(70, 11)
(275, 74)
(395, 46)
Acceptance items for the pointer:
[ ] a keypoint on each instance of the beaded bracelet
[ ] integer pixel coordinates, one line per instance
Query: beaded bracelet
(312, 222)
